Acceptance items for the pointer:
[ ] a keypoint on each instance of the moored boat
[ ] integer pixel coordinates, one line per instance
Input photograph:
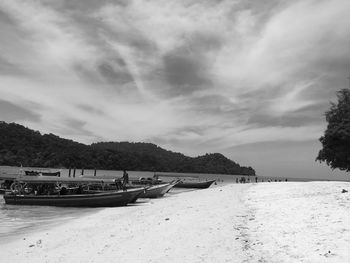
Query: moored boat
(155, 191)
(101, 199)
(198, 185)
(74, 192)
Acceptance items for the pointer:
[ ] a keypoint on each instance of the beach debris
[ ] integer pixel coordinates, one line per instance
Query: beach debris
(327, 254)
(38, 243)
(344, 191)
(166, 219)
(31, 245)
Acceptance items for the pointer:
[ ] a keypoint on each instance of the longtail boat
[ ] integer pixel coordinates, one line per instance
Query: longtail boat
(199, 185)
(154, 187)
(101, 199)
(157, 190)
(73, 192)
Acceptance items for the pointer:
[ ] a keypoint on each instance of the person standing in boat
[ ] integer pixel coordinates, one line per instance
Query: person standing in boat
(155, 178)
(125, 179)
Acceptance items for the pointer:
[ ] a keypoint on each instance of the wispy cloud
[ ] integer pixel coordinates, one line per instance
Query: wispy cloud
(191, 75)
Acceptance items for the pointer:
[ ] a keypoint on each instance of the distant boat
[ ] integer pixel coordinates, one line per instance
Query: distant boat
(48, 191)
(199, 185)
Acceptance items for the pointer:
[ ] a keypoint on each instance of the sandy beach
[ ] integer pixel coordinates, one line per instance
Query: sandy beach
(266, 222)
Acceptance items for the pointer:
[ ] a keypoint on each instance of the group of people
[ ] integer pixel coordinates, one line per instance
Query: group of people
(244, 180)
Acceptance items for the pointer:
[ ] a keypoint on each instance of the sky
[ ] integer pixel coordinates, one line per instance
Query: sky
(250, 79)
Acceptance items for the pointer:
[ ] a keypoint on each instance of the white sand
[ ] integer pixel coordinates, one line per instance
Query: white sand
(298, 222)
(269, 222)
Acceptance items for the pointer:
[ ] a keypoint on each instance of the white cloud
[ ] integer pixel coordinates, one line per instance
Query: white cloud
(244, 64)
(52, 40)
(293, 41)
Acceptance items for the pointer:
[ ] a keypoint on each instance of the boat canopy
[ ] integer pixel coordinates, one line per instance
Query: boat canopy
(51, 179)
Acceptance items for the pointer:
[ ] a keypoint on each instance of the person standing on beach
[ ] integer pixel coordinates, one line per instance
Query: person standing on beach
(125, 179)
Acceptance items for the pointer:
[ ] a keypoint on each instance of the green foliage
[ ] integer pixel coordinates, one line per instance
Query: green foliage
(20, 145)
(336, 139)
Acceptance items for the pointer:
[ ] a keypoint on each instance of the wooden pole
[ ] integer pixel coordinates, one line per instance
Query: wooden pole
(69, 172)
(74, 172)
(82, 171)
(95, 172)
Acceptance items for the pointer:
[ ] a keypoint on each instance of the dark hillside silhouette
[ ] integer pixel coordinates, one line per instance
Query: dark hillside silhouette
(22, 146)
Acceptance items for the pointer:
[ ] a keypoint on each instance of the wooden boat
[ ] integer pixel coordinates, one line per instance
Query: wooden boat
(155, 191)
(102, 199)
(199, 185)
(28, 191)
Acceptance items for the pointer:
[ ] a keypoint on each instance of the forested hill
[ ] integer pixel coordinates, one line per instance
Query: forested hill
(20, 145)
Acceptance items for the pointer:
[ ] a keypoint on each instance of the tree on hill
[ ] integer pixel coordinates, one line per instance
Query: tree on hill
(336, 139)
(22, 146)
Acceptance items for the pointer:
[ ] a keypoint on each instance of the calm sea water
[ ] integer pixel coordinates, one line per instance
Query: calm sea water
(16, 221)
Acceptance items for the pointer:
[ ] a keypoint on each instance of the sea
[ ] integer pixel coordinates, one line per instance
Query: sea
(16, 220)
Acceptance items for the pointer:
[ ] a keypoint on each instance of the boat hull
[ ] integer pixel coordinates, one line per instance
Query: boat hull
(103, 199)
(198, 185)
(157, 190)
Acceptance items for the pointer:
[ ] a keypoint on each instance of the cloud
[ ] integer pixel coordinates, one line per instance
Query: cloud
(10, 112)
(113, 75)
(7, 67)
(184, 72)
(192, 76)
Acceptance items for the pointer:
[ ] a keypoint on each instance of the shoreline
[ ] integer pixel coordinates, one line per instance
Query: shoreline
(40, 223)
(265, 222)
(158, 230)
